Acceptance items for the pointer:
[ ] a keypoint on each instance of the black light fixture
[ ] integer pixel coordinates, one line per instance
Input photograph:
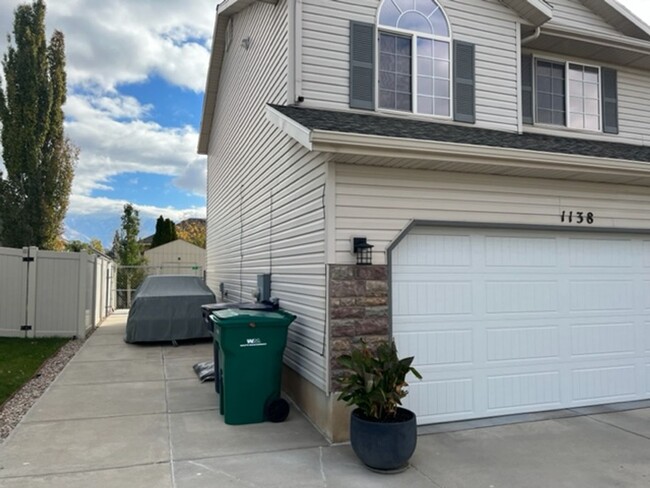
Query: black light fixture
(362, 249)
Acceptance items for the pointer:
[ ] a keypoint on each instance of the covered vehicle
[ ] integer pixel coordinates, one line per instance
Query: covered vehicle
(168, 308)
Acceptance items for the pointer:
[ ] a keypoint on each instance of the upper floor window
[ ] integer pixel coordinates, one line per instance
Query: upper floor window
(414, 57)
(567, 94)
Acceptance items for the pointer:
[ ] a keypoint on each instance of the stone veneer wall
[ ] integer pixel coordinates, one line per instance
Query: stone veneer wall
(358, 309)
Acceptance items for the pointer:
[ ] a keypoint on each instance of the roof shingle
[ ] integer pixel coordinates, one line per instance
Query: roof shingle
(382, 125)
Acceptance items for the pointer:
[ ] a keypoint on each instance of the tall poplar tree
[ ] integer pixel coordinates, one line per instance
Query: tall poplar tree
(165, 232)
(39, 159)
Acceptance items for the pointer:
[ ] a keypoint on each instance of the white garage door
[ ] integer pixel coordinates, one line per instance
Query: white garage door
(512, 321)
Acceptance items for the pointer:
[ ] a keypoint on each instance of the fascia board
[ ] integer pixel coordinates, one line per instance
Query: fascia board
(617, 14)
(225, 10)
(625, 43)
(293, 129)
(537, 12)
(212, 81)
(393, 147)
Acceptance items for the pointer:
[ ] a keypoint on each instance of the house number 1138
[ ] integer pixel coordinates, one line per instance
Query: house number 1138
(572, 217)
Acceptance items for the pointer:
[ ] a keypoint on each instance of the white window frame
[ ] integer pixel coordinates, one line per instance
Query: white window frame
(567, 97)
(414, 68)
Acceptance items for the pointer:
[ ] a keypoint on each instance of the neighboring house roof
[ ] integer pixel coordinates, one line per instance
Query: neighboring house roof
(409, 128)
(177, 242)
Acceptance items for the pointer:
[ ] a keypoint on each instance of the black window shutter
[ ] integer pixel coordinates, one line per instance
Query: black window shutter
(527, 88)
(362, 65)
(610, 100)
(464, 84)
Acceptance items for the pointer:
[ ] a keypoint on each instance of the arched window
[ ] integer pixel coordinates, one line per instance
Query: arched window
(414, 57)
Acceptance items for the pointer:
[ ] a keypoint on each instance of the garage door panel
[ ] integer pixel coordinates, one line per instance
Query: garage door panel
(646, 295)
(521, 296)
(449, 398)
(510, 251)
(532, 320)
(604, 384)
(603, 339)
(523, 343)
(539, 389)
(448, 347)
(443, 250)
(646, 253)
(601, 253)
(601, 295)
(433, 298)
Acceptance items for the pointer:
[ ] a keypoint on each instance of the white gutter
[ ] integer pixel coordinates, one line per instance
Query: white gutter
(396, 147)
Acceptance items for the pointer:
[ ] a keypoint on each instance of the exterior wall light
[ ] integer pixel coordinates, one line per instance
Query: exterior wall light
(246, 43)
(363, 250)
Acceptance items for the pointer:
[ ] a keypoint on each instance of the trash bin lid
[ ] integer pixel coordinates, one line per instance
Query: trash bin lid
(235, 317)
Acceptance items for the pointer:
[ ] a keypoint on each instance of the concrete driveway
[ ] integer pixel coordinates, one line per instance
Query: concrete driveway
(136, 416)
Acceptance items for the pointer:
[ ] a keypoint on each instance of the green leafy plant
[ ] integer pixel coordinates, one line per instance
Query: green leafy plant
(376, 380)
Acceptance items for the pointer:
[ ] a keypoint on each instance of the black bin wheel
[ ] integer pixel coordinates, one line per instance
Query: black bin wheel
(276, 410)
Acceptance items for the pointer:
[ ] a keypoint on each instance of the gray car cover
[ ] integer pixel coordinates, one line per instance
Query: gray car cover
(168, 308)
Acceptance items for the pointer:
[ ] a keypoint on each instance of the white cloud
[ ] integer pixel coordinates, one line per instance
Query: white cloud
(111, 145)
(81, 205)
(116, 41)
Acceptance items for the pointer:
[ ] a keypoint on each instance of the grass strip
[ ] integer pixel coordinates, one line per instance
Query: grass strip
(21, 358)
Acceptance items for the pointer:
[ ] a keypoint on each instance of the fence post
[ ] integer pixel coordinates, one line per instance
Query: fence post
(30, 255)
(81, 295)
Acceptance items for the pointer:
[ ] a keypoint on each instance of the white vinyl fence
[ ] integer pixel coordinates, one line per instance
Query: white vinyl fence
(46, 293)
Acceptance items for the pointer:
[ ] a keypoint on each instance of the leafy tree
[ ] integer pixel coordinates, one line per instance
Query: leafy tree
(171, 230)
(78, 246)
(128, 252)
(192, 231)
(96, 244)
(39, 159)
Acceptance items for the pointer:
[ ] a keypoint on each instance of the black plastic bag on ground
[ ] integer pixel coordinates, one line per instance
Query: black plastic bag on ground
(204, 370)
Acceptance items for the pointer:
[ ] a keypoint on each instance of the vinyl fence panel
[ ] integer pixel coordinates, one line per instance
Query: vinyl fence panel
(55, 293)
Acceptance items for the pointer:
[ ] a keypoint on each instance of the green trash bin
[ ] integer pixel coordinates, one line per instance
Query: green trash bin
(251, 344)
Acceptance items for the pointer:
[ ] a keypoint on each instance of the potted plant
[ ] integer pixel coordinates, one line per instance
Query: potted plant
(383, 434)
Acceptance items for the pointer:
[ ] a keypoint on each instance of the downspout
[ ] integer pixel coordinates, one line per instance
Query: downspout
(535, 35)
(291, 53)
(294, 53)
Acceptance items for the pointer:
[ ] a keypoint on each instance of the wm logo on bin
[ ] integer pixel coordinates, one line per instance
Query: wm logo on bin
(256, 342)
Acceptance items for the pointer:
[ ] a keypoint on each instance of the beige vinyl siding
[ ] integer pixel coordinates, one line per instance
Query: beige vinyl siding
(575, 15)
(265, 191)
(488, 24)
(380, 202)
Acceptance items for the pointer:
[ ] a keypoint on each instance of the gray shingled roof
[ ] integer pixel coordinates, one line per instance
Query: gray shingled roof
(382, 125)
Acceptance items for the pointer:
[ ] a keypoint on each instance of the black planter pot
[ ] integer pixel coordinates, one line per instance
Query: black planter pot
(384, 446)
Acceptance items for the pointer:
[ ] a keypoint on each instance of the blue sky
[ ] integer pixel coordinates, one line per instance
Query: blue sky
(136, 73)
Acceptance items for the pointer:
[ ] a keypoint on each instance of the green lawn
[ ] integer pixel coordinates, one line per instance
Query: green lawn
(20, 358)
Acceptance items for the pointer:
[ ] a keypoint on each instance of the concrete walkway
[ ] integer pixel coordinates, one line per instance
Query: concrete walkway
(136, 416)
